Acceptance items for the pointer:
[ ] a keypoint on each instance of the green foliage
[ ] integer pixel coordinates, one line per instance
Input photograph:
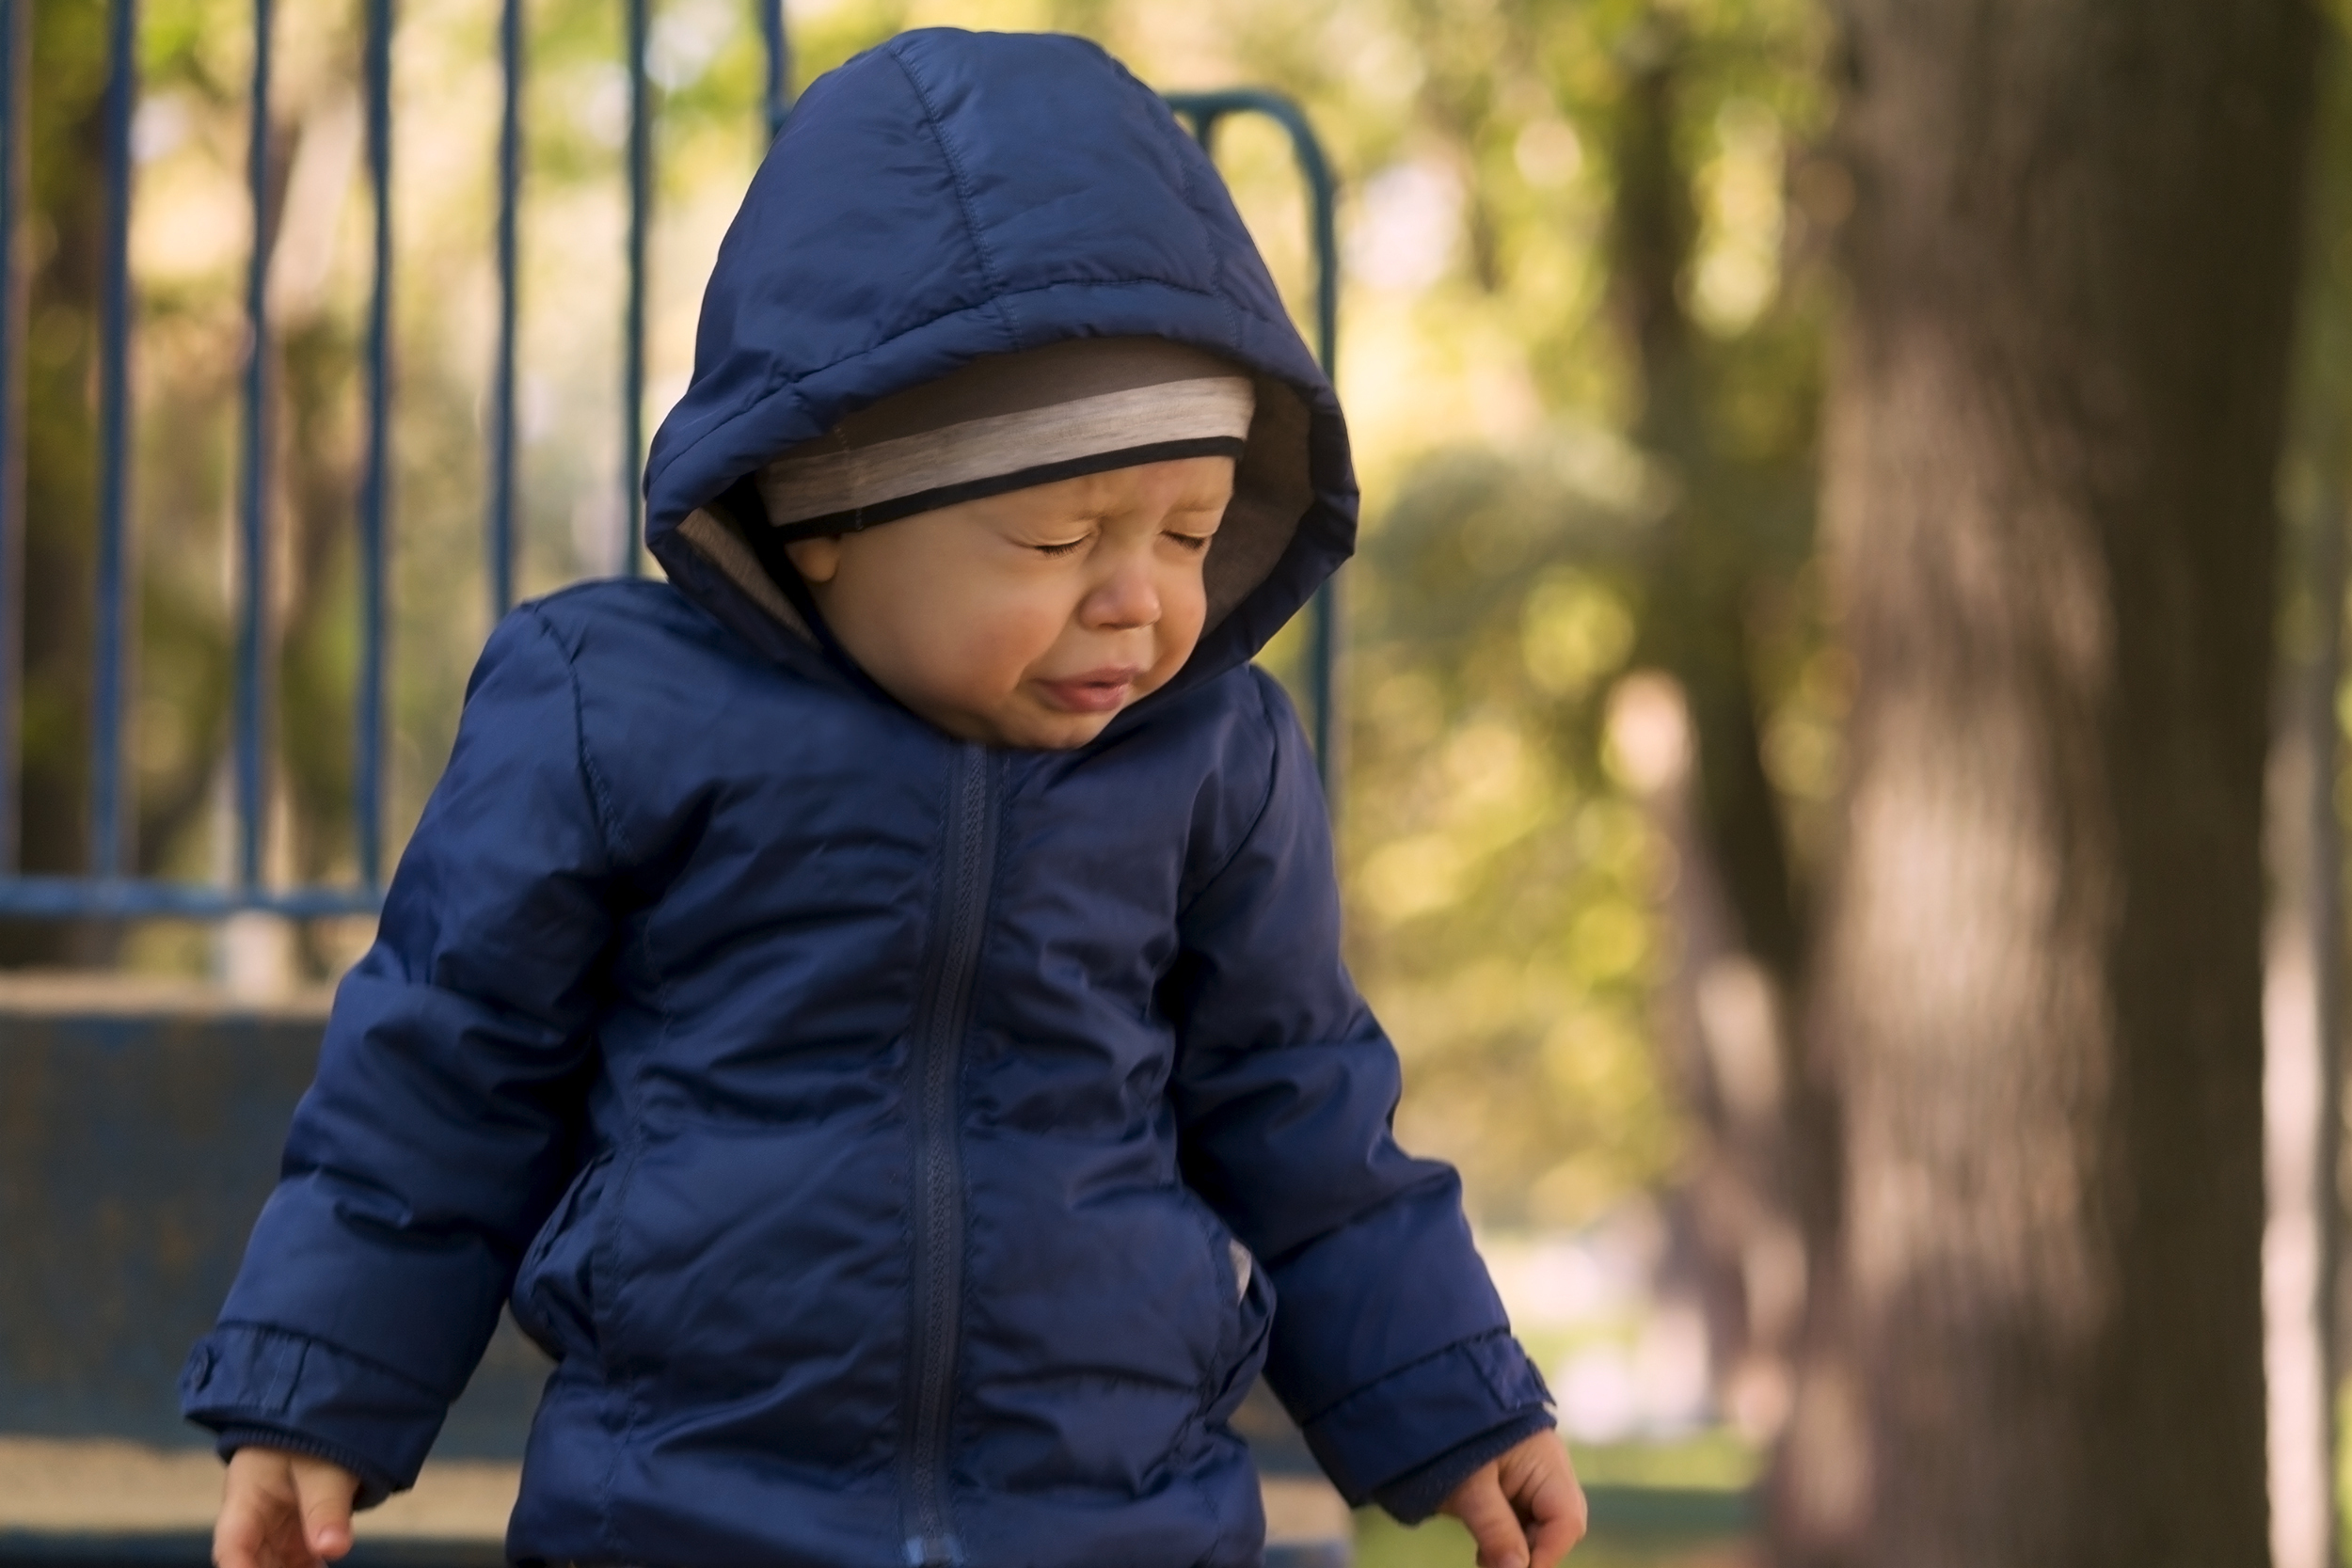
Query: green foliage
(1503, 885)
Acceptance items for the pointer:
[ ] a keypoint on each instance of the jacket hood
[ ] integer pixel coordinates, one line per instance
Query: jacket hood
(952, 196)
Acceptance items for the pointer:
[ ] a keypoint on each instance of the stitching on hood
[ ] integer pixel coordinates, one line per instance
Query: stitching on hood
(996, 289)
(1185, 189)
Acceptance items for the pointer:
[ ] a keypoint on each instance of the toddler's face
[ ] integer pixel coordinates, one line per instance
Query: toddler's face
(1029, 618)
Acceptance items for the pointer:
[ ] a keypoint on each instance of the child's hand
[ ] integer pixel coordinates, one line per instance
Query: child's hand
(1524, 1511)
(283, 1511)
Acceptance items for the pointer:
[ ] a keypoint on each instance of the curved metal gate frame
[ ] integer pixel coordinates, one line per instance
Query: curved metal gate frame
(107, 891)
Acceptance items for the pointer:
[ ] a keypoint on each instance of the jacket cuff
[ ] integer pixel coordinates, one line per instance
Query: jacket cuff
(1416, 1495)
(373, 1488)
(270, 1387)
(1423, 1413)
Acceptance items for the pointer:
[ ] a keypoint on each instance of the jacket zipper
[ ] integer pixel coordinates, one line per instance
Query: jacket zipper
(940, 1020)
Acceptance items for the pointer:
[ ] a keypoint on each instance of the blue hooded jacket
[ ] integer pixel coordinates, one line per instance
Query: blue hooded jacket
(899, 1144)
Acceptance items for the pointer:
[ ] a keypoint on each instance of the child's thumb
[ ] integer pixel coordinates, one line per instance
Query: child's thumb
(325, 1492)
(1483, 1508)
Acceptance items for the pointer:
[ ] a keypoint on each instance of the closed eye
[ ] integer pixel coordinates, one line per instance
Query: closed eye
(1194, 542)
(1062, 549)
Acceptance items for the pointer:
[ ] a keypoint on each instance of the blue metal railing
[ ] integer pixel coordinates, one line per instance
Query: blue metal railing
(109, 890)
(510, 302)
(253, 493)
(114, 419)
(639, 214)
(1204, 111)
(374, 489)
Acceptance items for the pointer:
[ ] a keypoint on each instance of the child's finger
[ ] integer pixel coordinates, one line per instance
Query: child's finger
(1555, 1508)
(238, 1539)
(325, 1492)
(1483, 1508)
(260, 1512)
(1541, 1482)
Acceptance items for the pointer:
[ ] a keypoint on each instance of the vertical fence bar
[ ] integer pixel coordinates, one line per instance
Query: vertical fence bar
(1323, 612)
(14, 167)
(1203, 112)
(779, 94)
(253, 503)
(633, 328)
(109, 671)
(502, 542)
(367, 781)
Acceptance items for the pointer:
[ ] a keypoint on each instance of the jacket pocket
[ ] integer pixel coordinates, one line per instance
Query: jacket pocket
(1245, 1305)
(555, 1289)
(1253, 1322)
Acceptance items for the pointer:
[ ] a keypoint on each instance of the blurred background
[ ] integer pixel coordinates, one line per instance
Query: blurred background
(1630, 288)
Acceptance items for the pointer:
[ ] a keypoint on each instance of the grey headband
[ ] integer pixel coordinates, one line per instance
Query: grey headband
(1083, 406)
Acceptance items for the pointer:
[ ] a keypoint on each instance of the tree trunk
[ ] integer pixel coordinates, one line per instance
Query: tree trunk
(1739, 935)
(61, 253)
(2048, 489)
(2300, 1016)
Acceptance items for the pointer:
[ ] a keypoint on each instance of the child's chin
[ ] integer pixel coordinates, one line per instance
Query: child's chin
(1067, 736)
(1050, 730)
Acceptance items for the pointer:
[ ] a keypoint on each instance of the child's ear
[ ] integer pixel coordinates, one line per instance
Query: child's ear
(815, 559)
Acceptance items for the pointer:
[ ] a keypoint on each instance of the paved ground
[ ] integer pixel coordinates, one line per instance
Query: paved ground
(48, 1486)
(102, 1487)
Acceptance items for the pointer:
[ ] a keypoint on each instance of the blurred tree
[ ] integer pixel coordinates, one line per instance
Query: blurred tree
(2053, 434)
(1758, 1216)
(61, 252)
(2303, 1293)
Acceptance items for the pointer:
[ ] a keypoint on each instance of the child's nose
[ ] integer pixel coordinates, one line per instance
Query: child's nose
(1125, 600)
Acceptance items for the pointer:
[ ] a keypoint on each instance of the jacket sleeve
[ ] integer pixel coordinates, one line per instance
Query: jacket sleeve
(440, 1128)
(1389, 1346)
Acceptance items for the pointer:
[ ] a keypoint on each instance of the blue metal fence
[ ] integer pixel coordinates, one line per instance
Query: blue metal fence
(253, 478)
(1204, 112)
(109, 890)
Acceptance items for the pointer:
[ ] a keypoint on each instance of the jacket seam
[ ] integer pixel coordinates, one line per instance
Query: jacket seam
(600, 807)
(605, 1283)
(624, 1369)
(997, 289)
(1265, 802)
(255, 1325)
(1413, 1365)
(592, 777)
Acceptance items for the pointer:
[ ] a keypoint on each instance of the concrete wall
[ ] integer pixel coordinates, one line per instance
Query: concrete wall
(140, 1126)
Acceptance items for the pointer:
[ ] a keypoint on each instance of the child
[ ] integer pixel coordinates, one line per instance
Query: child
(873, 1003)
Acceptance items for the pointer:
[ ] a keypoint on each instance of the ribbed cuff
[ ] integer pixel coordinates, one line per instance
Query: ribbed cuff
(374, 1486)
(288, 1390)
(1423, 1413)
(1418, 1494)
